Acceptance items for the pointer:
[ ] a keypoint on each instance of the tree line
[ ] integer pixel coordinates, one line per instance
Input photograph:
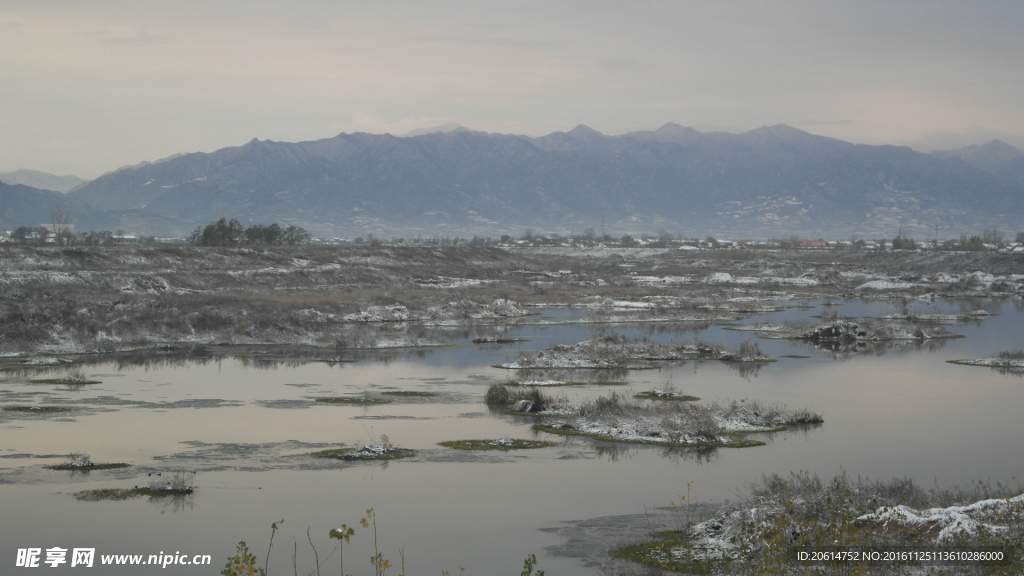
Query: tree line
(226, 232)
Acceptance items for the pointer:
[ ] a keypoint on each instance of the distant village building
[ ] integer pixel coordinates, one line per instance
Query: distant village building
(813, 244)
(124, 238)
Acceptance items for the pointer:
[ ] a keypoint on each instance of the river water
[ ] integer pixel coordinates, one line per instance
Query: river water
(246, 427)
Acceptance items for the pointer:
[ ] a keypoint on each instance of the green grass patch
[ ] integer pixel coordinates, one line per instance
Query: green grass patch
(409, 393)
(736, 440)
(653, 395)
(354, 400)
(657, 553)
(89, 467)
(500, 444)
(102, 494)
(37, 409)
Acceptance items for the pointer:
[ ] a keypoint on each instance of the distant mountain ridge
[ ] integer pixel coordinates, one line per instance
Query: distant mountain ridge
(992, 157)
(22, 205)
(41, 180)
(771, 181)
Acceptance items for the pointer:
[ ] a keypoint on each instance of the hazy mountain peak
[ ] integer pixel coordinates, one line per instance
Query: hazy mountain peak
(442, 129)
(998, 147)
(987, 157)
(41, 180)
(780, 131)
(673, 127)
(584, 131)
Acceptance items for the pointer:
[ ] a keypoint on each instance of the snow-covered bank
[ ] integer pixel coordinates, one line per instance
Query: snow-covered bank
(784, 514)
(992, 363)
(679, 423)
(616, 351)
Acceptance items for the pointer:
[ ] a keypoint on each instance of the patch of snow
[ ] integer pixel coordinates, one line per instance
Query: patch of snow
(718, 278)
(800, 281)
(392, 313)
(886, 285)
(659, 280)
(948, 524)
(314, 315)
(775, 328)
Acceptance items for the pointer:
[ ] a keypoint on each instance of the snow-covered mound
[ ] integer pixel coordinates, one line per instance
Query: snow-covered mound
(848, 330)
(614, 351)
(948, 524)
(680, 423)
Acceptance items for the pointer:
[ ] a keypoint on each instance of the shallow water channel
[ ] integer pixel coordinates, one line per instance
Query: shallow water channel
(246, 427)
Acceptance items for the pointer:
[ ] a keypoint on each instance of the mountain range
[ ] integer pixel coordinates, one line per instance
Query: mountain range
(772, 181)
(41, 180)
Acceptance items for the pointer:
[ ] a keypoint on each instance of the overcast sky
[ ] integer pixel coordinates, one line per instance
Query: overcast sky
(87, 86)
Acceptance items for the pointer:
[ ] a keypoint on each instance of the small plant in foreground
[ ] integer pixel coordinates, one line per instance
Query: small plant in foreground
(686, 503)
(243, 563)
(273, 530)
(528, 565)
(343, 534)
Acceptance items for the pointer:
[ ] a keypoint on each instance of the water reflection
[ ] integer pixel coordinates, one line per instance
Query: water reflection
(174, 502)
(585, 376)
(845, 349)
(1009, 371)
(614, 452)
(746, 370)
(260, 357)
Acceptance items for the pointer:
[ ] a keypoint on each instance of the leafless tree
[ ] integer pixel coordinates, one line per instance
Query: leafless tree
(60, 224)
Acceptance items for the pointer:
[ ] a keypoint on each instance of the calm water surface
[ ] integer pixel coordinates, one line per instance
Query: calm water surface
(245, 430)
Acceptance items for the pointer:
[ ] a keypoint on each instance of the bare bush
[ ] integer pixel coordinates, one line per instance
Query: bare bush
(520, 398)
